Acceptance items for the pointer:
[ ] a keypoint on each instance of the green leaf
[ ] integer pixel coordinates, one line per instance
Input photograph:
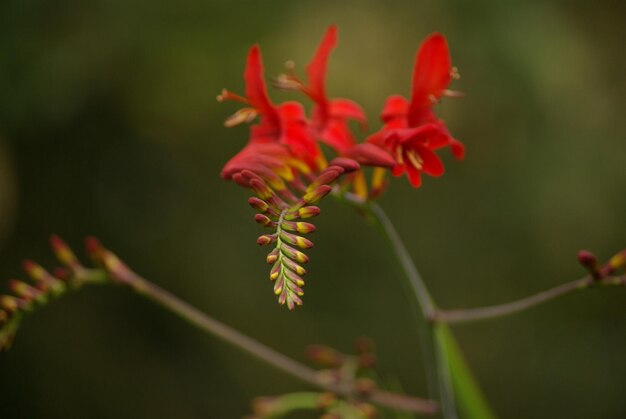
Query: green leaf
(471, 401)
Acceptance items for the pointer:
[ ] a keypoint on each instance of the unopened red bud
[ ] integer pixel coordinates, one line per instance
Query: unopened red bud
(23, 290)
(264, 220)
(272, 256)
(63, 253)
(299, 226)
(589, 262)
(258, 204)
(292, 301)
(279, 284)
(94, 248)
(290, 264)
(276, 270)
(327, 177)
(10, 303)
(266, 239)
(262, 190)
(299, 241)
(35, 271)
(294, 254)
(317, 194)
(294, 280)
(4, 316)
(240, 180)
(61, 273)
(282, 298)
(348, 165)
(309, 212)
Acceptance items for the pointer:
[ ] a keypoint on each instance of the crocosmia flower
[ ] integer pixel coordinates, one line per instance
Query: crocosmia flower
(411, 132)
(283, 163)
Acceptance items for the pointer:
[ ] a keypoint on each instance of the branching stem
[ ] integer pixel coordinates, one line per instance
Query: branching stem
(500, 310)
(265, 353)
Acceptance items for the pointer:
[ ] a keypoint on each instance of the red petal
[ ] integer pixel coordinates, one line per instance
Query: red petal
(337, 135)
(414, 175)
(395, 107)
(432, 163)
(316, 70)
(431, 74)
(346, 109)
(256, 91)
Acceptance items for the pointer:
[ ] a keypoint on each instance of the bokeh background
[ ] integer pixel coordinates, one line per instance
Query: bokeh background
(109, 126)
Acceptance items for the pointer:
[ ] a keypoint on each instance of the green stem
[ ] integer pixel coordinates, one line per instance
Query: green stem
(438, 372)
(500, 310)
(447, 372)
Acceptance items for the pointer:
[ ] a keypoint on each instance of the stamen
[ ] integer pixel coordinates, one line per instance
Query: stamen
(287, 82)
(227, 95)
(399, 157)
(415, 159)
(455, 94)
(241, 116)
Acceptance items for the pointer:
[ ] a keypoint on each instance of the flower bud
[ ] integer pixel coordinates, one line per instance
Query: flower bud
(63, 253)
(347, 164)
(23, 290)
(309, 212)
(264, 220)
(266, 239)
(589, 262)
(294, 254)
(299, 241)
(317, 194)
(272, 256)
(258, 204)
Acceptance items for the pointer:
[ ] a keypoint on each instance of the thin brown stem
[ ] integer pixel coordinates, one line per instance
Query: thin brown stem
(264, 353)
(490, 312)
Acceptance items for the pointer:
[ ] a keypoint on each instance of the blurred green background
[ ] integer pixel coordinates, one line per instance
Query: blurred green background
(109, 126)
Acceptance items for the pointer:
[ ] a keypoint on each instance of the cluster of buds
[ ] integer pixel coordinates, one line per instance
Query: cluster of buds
(46, 286)
(337, 369)
(283, 162)
(589, 261)
(283, 212)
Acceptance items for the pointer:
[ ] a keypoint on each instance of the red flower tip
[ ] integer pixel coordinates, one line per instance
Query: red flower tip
(94, 247)
(431, 75)
(316, 70)
(256, 90)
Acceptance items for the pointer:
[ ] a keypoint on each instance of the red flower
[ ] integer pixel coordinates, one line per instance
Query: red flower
(411, 130)
(283, 125)
(330, 117)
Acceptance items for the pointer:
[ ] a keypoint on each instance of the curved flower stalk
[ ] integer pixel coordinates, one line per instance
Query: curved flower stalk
(284, 216)
(45, 287)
